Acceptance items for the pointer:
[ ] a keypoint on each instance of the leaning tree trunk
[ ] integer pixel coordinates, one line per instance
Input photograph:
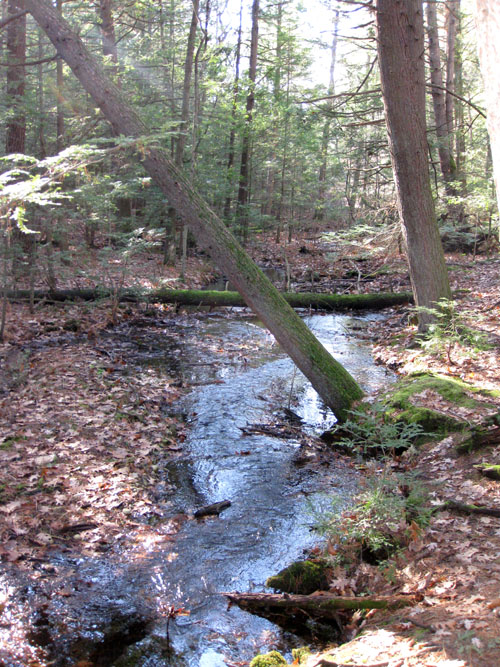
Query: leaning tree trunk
(332, 382)
(488, 31)
(400, 30)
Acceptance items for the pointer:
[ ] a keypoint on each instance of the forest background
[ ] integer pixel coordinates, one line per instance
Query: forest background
(269, 150)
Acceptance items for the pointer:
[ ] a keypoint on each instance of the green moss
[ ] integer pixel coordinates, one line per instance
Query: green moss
(268, 660)
(404, 403)
(302, 577)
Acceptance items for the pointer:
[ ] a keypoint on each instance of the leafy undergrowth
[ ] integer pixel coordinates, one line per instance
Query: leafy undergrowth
(454, 564)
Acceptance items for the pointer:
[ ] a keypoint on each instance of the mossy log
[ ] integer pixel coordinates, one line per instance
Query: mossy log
(326, 302)
(463, 508)
(479, 438)
(319, 606)
(489, 470)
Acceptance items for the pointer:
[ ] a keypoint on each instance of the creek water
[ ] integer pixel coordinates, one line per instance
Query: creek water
(273, 502)
(242, 379)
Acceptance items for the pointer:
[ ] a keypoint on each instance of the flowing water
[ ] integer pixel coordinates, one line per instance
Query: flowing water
(273, 501)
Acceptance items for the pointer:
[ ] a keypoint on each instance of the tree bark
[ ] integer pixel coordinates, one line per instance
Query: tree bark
(15, 136)
(330, 379)
(488, 29)
(401, 58)
(194, 297)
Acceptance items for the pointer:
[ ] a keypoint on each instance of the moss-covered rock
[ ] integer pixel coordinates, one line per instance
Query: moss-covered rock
(150, 649)
(301, 577)
(410, 398)
(268, 660)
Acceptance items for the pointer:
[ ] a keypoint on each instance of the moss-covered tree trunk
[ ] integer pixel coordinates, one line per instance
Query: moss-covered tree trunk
(330, 379)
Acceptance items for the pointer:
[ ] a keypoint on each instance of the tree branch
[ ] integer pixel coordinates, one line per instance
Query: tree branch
(11, 18)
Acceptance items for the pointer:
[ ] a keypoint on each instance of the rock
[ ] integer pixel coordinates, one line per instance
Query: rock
(268, 659)
(301, 577)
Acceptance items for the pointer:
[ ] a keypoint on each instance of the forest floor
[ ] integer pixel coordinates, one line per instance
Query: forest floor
(81, 445)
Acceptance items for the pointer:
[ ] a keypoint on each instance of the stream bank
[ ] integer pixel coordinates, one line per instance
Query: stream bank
(168, 561)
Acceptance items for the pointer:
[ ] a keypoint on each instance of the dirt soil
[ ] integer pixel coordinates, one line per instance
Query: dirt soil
(81, 444)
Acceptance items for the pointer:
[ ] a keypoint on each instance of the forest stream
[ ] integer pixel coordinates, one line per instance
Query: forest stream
(273, 500)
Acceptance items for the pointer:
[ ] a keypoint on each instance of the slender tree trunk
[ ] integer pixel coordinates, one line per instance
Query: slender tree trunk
(41, 99)
(59, 96)
(109, 48)
(439, 101)
(186, 87)
(198, 95)
(332, 382)
(488, 29)
(451, 37)
(401, 57)
(244, 184)
(232, 134)
(183, 126)
(269, 207)
(15, 137)
(460, 132)
(319, 213)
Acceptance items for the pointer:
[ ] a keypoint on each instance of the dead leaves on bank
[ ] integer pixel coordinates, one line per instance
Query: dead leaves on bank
(78, 450)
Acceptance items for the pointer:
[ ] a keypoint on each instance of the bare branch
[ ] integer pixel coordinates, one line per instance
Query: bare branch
(11, 18)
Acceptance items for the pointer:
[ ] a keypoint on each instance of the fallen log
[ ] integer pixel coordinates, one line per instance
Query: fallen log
(455, 506)
(479, 438)
(218, 299)
(319, 606)
(489, 470)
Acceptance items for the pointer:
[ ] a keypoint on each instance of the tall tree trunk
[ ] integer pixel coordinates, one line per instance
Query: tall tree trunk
(243, 189)
(232, 133)
(460, 131)
(451, 38)
(269, 206)
(332, 382)
(186, 87)
(15, 137)
(59, 96)
(183, 126)
(439, 102)
(41, 98)
(109, 48)
(319, 213)
(488, 30)
(400, 29)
